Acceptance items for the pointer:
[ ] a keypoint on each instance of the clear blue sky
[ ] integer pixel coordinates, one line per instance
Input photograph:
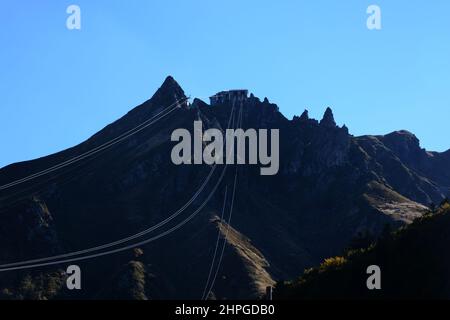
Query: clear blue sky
(58, 87)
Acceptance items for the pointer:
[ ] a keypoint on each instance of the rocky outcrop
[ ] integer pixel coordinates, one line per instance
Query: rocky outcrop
(328, 119)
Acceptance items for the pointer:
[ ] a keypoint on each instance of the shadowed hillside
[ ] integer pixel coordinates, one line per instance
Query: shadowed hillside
(414, 263)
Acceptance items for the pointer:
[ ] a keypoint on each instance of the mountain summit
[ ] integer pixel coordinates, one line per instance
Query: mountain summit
(328, 118)
(170, 88)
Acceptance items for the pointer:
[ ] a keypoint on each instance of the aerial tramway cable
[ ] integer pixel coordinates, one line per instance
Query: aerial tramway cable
(205, 296)
(97, 149)
(41, 261)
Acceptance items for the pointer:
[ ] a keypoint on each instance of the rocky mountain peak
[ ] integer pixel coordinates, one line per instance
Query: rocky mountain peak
(304, 116)
(169, 91)
(403, 135)
(328, 118)
(170, 84)
(402, 140)
(345, 128)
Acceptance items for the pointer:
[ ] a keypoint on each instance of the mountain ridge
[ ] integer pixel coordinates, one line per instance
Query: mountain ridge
(331, 186)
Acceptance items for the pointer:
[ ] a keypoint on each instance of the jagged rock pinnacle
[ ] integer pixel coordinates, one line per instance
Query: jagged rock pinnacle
(169, 91)
(169, 81)
(328, 118)
(345, 128)
(304, 116)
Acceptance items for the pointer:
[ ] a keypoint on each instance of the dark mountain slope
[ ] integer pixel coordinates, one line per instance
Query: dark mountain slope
(414, 263)
(330, 187)
(412, 171)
